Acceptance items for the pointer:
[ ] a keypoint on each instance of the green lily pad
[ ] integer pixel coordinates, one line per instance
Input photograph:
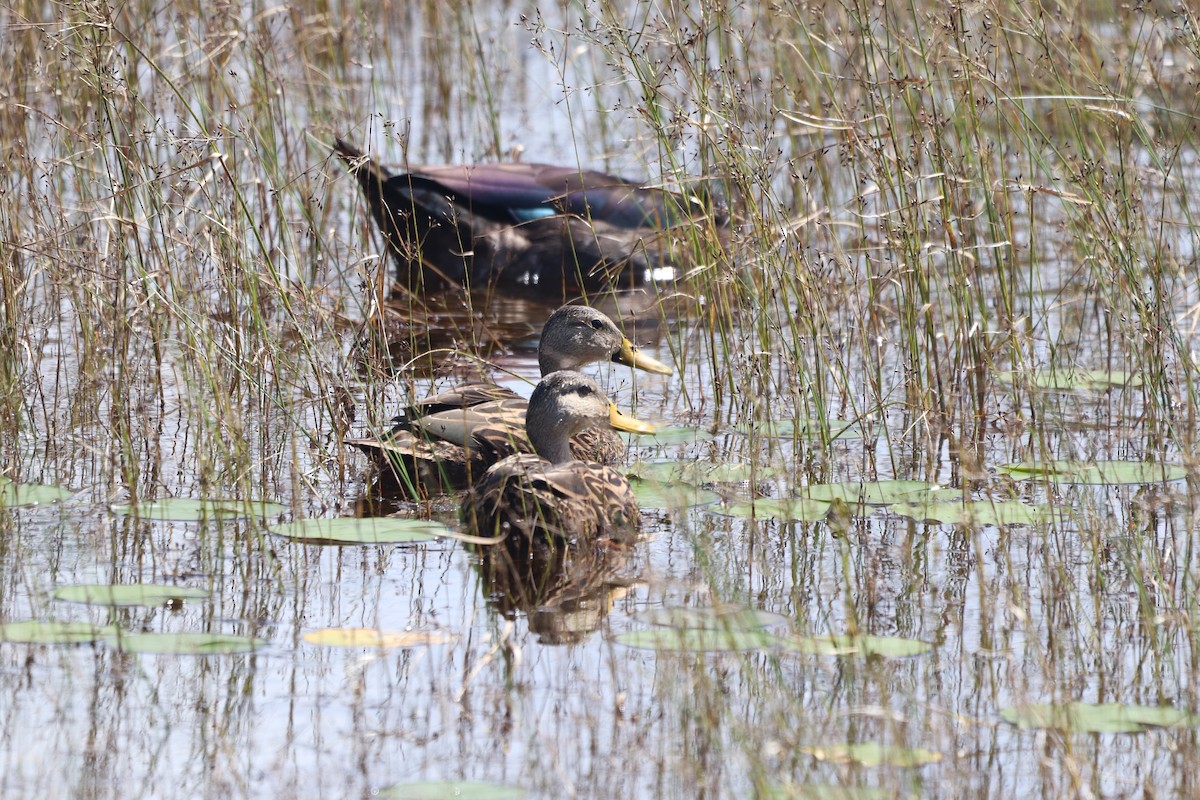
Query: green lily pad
(374, 638)
(862, 646)
(976, 512)
(29, 494)
(127, 594)
(702, 472)
(1065, 380)
(784, 509)
(453, 790)
(880, 493)
(871, 754)
(35, 632)
(1097, 718)
(354, 530)
(671, 435)
(827, 791)
(713, 618)
(696, 640)
(657, 494)
(196, 644)
(189, 509)
(1095, 472)
(810, 428)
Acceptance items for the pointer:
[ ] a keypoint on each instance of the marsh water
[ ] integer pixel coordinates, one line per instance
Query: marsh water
(179, 324)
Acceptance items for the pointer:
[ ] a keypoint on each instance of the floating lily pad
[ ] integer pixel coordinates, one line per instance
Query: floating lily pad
(697, 640)
(1095, 472)
(810, 428)
(880, 493)
(862, 646)
(29, 494)
(127, 594)
(189, 509)
(657, 494)
(703, 472)
(1065, 380)
(827, 791)
(35, 632)
(871, 754)
(453, 790)
(353, 530)
(1097, 718)
(371, 637)
(719, 618)
(976, 512)
(784, 509)
(671, 435)
(197, 644)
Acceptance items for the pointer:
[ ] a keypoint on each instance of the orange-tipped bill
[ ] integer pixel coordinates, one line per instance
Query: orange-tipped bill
(623, 422)
(630, 357)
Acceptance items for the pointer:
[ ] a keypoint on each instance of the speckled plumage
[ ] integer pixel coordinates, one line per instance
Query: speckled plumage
(527, 496)
(551, 496)
(448, 441)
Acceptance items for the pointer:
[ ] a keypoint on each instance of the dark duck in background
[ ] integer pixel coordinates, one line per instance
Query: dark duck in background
(554, 230)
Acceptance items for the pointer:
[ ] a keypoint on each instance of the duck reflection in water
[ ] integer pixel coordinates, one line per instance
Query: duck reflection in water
(565, 593)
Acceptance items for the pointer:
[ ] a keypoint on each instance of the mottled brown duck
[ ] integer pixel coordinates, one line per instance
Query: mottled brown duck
(446, 441)
(550, 496)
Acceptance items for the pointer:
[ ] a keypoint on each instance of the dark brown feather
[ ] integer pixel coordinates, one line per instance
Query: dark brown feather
(526, 497)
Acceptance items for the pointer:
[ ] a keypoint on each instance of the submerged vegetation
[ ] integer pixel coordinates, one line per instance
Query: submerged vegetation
(935, 399)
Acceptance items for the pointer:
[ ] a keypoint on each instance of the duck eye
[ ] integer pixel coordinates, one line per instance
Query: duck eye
(597, 324)
(583, 391)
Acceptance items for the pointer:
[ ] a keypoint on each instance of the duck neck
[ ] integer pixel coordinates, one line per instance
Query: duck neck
(551, 362)
(551, 442)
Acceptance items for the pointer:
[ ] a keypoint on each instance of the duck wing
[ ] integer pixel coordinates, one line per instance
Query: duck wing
(417, 452)
(566, 253)
(465, 396)
(520, 192)
(422, 467)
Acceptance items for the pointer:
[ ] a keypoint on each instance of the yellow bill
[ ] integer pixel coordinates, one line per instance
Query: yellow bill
(624, 422)
(630, 357)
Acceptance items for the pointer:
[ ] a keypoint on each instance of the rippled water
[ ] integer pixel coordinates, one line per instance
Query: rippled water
(542, 697)
(173, 373)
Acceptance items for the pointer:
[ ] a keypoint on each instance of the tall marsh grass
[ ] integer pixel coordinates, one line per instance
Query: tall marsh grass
(941, 188)
(924, 196)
